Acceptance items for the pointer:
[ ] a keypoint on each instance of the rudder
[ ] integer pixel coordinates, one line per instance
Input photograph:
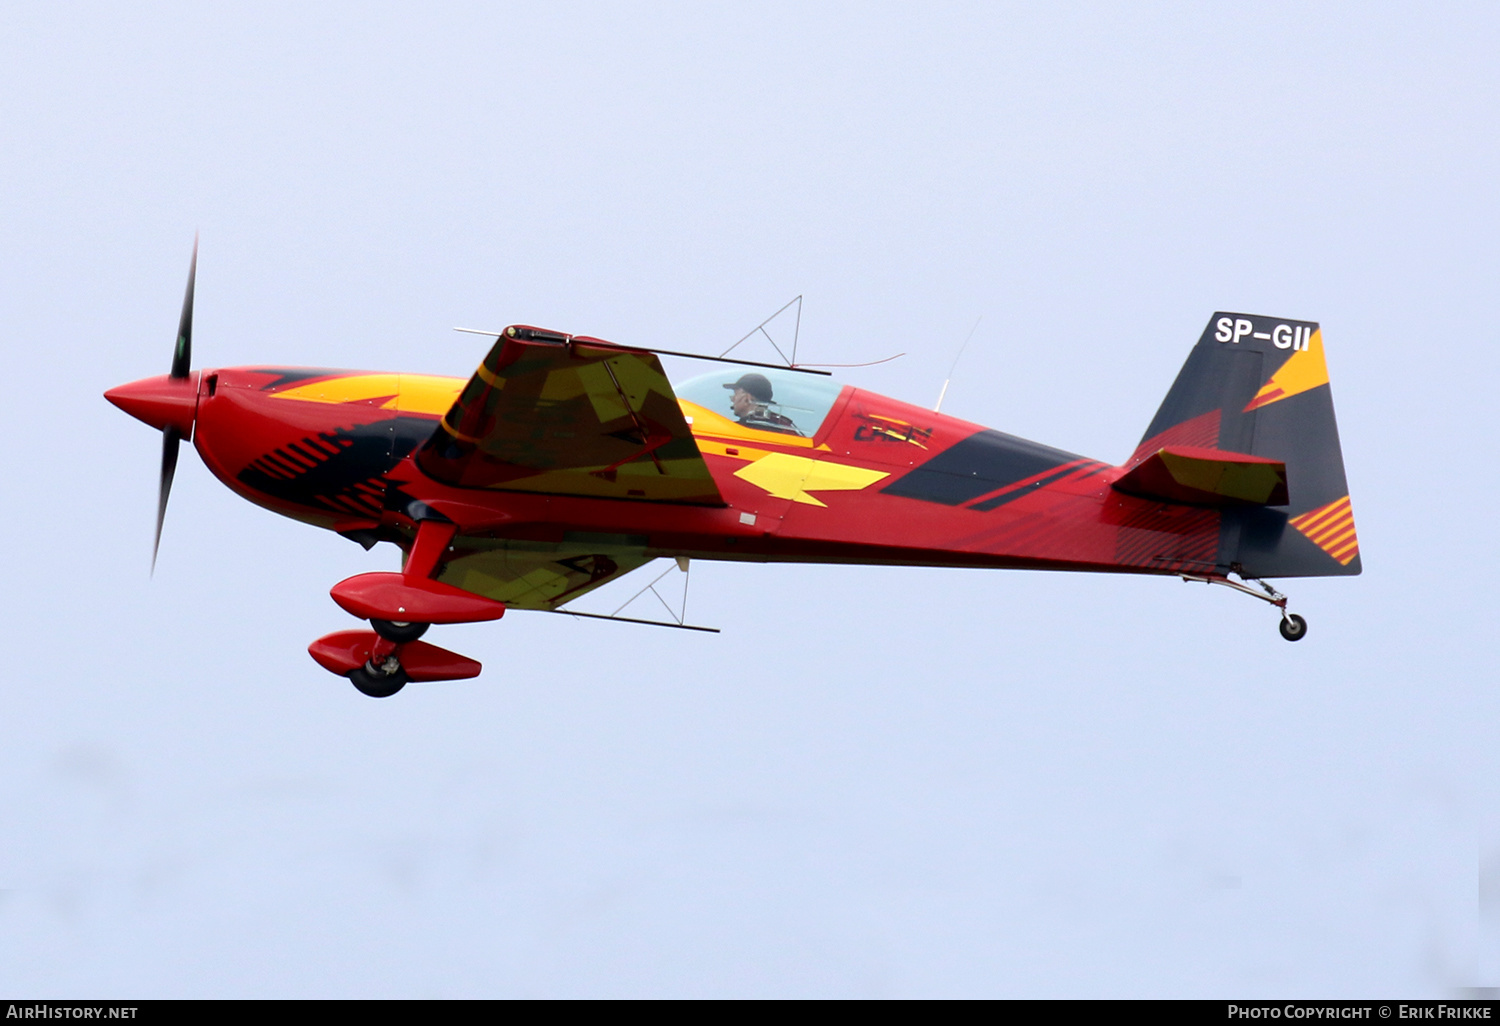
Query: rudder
(1259, 385)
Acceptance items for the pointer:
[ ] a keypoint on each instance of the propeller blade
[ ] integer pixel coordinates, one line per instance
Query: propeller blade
(182, 356)
(171, 438)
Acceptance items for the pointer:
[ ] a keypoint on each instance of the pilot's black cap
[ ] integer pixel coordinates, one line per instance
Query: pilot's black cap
(758, 385)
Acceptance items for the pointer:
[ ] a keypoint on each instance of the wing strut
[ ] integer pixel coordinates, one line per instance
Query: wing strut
(627, 619)
(761, 327)
(678, 615)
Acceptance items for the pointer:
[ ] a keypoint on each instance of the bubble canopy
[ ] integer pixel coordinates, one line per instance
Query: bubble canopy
(780, 402)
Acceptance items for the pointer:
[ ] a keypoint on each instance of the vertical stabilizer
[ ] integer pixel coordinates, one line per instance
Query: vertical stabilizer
(1259, 386)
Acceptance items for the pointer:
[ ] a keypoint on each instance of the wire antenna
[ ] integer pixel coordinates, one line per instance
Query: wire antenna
(949, 378)
(869, 363)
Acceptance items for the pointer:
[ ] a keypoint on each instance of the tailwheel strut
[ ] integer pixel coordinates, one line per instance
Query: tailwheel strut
(1293, 627)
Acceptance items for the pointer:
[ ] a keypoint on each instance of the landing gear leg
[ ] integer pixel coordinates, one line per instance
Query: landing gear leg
(379, 682)
(400, 608)
(1293, 627)
(380, 667)
(398, 631)
(382, 675)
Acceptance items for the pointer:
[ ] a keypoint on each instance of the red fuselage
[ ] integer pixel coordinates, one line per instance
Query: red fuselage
(876, 481)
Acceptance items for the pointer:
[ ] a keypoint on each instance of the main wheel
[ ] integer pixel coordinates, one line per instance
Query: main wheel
(378, 683)
(397, 631)
(1293, 627)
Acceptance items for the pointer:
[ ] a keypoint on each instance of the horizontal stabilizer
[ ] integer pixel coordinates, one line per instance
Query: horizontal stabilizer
(1207, 477)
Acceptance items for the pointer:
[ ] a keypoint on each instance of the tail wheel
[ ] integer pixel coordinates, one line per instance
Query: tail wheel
(1293, 627)
(379, 683)
(398, 631)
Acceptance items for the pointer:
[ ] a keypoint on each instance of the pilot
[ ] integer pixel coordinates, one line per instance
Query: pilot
(749, 400)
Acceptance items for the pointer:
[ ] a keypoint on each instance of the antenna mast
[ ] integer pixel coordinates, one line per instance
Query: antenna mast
(941, 395)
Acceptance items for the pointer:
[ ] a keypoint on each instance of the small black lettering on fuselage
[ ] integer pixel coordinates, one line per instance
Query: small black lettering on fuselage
(882, 429)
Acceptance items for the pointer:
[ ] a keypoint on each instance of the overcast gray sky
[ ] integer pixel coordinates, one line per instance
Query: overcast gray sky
(875, 782)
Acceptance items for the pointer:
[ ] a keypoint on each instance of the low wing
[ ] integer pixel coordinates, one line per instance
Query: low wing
(540, 575)
(569, 416)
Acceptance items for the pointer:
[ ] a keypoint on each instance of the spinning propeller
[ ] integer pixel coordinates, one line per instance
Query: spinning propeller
(169, 402)
(171, 435)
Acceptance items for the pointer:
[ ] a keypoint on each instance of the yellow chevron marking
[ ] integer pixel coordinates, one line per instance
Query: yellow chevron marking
(600, 389)
(1331, 528)
(792, 477)
(1303, 371)
(561, 384)
(418, 393)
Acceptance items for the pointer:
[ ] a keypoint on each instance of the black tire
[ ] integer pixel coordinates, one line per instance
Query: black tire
(1293, 627)
(400, 633)
(375, 684)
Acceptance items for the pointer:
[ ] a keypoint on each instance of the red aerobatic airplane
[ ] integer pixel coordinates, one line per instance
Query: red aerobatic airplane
(567, 461)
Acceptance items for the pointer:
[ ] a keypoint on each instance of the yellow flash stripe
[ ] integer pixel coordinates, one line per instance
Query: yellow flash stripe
(1331, 528)
(792, 477)
(427, 393)
(734, 452)
(707, 422)
(1303, 371)
(415, 393)
(351, 388)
